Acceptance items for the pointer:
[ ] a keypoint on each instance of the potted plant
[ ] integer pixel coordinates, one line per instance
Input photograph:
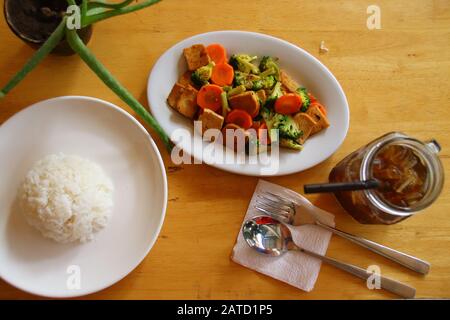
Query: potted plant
(48, 26)
(34, 21)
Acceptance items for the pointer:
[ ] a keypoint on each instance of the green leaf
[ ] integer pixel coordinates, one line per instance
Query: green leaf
(93, 18)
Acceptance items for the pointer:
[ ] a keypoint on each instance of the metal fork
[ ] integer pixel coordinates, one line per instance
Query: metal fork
(284, 209)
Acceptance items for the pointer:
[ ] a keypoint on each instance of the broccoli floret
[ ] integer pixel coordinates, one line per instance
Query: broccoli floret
(306, 101)
(291, 144)
(237, 90)
(289, 128)
(286, 124)
(257, 85)
(276, 120)
(249, 81)
(264, 83)
(243, 63)
(240, 79)
(274, 95)
(201, 76)
(253, 82)
(268, 82)
(267, 114)
(269, 72)
(268, 63)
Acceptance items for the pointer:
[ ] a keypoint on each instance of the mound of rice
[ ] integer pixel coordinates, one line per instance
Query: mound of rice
(66, 198)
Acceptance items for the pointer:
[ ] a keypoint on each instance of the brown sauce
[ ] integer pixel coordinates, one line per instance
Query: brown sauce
(402, 173)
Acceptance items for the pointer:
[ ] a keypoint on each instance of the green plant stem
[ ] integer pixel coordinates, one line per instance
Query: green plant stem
(116, 12)
(84, 10)
(100, 70)
(39, 55)
(97, 4)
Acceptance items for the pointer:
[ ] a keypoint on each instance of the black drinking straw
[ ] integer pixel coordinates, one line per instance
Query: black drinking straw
(342, 186)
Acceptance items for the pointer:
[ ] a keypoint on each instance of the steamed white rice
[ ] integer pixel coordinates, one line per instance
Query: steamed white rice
(66, 198)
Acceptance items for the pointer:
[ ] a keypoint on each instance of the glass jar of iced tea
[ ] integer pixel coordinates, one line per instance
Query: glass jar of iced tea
(410, 173)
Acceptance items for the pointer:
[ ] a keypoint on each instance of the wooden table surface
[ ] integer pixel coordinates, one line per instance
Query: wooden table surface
(395, 78)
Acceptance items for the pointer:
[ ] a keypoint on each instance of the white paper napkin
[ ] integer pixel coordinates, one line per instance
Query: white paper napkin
(295, 268)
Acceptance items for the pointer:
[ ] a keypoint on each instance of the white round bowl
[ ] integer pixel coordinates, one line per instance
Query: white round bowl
(106, 134)
(301, 65)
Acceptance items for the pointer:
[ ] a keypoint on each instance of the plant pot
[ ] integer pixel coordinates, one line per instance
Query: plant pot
(34, 21)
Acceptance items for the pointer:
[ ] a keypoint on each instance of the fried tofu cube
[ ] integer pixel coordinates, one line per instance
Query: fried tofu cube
(319, 117)
(290, 84)
(196, 57)
(305, 123)
(175, 95)
(184, 100)
(247, 101)
(187, 104)
(210, 120)
(185, 79)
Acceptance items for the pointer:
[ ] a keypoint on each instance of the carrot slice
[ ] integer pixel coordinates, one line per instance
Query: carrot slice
(288, 104)
(217, 53)
(222, 74)
(256, 125)
(240, 118)
(311, 97)
(208, 97)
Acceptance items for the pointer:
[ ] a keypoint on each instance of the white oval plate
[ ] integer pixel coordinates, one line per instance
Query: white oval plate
(106, 134)
(301, 65)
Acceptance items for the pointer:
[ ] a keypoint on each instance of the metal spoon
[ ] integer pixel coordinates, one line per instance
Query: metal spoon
(284, 209)
(269, 236)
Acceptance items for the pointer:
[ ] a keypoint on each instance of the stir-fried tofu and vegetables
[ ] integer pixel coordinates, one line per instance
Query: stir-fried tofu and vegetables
(243, 92)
